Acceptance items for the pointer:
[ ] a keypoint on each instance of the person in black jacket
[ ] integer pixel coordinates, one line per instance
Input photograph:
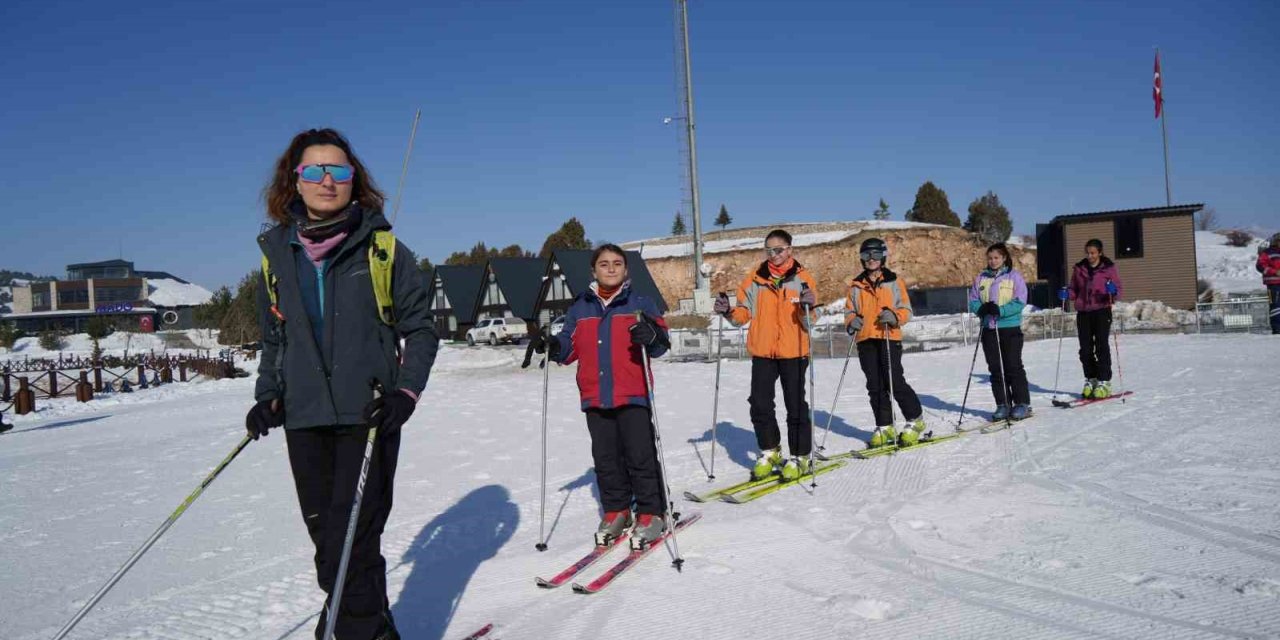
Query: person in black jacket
(331, 367)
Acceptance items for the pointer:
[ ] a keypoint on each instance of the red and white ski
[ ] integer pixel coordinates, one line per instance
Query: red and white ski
(574, 569)
(483, 632)
(632, 558)
(1080, 402)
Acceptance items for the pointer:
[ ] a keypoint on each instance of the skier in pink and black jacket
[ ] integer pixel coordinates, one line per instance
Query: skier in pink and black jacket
(1094, 287)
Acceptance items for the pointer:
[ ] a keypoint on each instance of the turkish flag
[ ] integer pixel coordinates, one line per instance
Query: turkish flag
(1156, 93)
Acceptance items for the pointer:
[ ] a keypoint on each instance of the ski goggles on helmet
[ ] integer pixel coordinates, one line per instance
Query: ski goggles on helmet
(775, 251)
(873, 254)
(316, 172)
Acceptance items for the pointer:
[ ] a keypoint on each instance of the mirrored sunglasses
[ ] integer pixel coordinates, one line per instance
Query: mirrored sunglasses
(775, 251)
(316, 172)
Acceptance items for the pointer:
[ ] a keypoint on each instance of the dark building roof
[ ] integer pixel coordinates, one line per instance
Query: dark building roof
(575, 264)
(159, 275)
(520, 280)
(1177, 209)
(462, 285)
(104, 263)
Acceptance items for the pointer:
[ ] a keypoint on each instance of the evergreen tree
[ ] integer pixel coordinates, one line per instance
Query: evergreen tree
(677, 225)
(989, 219)
(240, 324)
(9, 334)
(570, 235)
(425, 266)
(209, 315)
(932, 206)
(882, 213)
(724, 219)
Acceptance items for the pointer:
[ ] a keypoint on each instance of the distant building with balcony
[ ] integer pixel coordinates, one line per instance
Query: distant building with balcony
(147, 300)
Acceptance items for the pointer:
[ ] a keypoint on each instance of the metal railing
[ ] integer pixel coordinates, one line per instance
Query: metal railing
(1245, 315)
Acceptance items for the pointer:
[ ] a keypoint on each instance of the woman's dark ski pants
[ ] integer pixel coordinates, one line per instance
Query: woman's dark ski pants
(875, 366)
(1016, 387)
(1094, 329)
(326, 465)
(765, 373)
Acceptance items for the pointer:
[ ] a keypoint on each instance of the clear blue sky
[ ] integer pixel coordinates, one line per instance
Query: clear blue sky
(154, 126)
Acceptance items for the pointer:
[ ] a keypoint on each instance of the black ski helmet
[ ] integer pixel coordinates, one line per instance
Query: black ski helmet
(872, 246)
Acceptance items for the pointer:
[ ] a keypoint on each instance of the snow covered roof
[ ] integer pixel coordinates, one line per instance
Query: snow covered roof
(173, 293)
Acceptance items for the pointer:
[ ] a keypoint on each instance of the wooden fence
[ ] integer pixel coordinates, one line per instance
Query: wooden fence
(21, 383)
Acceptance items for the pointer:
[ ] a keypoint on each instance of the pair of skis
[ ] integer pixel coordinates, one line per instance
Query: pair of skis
(599, 552)
(749, 490)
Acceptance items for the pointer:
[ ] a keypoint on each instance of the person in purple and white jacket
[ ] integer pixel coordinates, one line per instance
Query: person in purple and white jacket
(1095, 286)
(998, 296)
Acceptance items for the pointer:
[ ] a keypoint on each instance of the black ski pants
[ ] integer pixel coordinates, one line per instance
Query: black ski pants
(326, 467)
(626, 460)
(765, 373)
(875, 360)
(1094, 329)
(1274, 290)
(1011, 387)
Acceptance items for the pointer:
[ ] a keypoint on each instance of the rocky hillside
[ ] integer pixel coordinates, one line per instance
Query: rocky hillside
(926, 255)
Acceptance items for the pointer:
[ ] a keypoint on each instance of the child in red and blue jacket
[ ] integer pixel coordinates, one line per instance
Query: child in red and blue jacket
(604, 336)
(1269, 266)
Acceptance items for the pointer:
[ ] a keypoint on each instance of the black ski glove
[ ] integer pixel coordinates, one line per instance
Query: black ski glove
(388, 413)
(541, 343)
(989, 309)
(262, 417)
(645, 332)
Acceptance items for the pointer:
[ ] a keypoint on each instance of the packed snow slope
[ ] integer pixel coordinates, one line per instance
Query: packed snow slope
(1228, 269)
(1153, 518)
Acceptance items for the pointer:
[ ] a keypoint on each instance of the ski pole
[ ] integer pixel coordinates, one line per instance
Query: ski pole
(973, 363)
(808, 327)
(1062, 332)
(715, 406)
(542, 518)
(836, 399)
(173, 517)
(678, 563)
(1004, 380)
(335, 602)
(528, 357)
(888, 356)
(1115, 338)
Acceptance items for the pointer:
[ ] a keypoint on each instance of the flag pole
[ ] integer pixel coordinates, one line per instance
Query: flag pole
(1164, 135)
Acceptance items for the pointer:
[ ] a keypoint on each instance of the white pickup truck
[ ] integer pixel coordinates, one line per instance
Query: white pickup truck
(497, 331)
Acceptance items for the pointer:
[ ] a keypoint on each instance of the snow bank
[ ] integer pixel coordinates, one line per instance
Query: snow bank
(164, 292)
(1228, 269)
(79, 344)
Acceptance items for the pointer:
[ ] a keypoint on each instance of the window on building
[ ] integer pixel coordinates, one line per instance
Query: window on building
(73, 296)
(40, 299)
(1128, 234)
(117, 294)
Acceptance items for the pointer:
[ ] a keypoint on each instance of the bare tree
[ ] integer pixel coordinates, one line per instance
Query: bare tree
(1207, 219)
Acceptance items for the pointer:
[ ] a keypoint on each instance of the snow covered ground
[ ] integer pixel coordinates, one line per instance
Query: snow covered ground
(1228, 269)
(1156, 518)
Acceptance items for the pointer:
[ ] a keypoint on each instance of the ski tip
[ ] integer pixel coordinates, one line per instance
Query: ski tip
(730, 498)
(545, 584)
(692, 497)
(577, 588)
